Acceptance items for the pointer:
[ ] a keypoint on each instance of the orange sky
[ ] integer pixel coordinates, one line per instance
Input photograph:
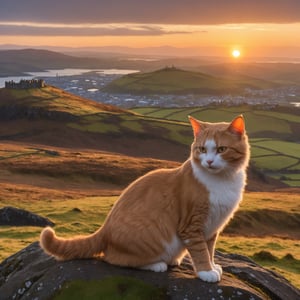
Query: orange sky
(257, 28)
(251, 39)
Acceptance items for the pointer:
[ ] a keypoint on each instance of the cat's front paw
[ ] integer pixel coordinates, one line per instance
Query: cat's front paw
(209, 276)
(156, 267)
(218, 268)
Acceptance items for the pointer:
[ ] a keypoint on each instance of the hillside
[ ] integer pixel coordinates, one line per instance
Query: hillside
(31, 103)
(50, 117)
(20, 62)
(273, 132)
(279, 72)
(176, 81)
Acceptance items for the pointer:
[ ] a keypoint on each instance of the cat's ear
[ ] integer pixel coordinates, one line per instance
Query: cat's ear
(196, 125)
(237, 126)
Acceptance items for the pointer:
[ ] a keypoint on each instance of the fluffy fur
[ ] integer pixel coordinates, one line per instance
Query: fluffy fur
(167, 213)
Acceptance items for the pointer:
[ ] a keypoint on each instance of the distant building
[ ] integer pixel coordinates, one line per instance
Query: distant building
(25, 84)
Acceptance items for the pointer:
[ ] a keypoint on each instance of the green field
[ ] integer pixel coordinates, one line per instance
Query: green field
(274, 134)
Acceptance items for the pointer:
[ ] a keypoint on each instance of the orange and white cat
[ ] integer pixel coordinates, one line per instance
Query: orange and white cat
(167, 213)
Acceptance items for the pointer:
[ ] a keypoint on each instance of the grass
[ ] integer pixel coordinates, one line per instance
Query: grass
(95, 127)
(283, 258)
(273, 163)
(279, 158)
(74, 216)
(54, 99)
(81, 216)
(176, 81)
(257, 120)
(273, 133)
(291, 149)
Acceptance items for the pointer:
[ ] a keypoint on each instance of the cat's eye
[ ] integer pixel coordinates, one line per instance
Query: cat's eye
(221, 149)
(202, 149)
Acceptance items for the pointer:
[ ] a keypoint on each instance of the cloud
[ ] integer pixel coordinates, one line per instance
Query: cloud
(45, 29)
(151, 12)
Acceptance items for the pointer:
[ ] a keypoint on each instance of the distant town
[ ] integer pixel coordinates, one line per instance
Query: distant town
(89, 85)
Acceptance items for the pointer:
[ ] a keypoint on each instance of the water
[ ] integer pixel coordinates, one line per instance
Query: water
(296, 104)
(64, 72)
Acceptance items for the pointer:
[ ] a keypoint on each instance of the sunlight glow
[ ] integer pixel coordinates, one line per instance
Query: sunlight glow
(236, 53)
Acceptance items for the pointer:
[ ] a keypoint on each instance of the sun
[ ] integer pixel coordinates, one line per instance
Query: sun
(236, 53)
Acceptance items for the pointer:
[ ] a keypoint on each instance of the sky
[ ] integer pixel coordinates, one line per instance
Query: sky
(214, 27)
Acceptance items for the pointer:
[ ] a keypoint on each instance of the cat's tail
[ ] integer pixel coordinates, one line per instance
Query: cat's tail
(66, 249)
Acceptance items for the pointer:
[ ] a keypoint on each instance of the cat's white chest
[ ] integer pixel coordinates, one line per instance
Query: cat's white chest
(224, 198)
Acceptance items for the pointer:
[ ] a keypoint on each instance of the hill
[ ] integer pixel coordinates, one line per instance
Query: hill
(50, 117)
(176, 81)
(20, 62)
(278, 72)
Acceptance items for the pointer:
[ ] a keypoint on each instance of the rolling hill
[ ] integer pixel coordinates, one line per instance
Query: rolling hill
(276, 72)
(20, 62)
(50, 117)
(273, 132)
(171, 80)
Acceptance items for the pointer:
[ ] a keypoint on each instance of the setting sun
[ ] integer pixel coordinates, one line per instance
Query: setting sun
(236, 53)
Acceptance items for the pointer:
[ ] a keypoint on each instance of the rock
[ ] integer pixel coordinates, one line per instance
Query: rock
(31, 274)
(11, 216)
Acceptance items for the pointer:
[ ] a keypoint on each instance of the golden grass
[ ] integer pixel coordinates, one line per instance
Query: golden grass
(282, 201)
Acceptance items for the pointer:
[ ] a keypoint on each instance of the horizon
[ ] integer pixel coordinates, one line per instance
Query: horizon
(255, 29)
(166, 51)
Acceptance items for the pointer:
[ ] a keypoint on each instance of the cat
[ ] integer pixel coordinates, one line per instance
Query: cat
(167, 213)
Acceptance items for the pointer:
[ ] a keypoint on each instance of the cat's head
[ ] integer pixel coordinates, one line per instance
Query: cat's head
(220, 147)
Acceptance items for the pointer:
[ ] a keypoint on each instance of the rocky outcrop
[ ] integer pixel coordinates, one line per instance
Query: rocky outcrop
(31, 274)
(12, 216)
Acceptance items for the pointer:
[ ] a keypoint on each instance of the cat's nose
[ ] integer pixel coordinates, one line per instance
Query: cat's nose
(209, 162)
